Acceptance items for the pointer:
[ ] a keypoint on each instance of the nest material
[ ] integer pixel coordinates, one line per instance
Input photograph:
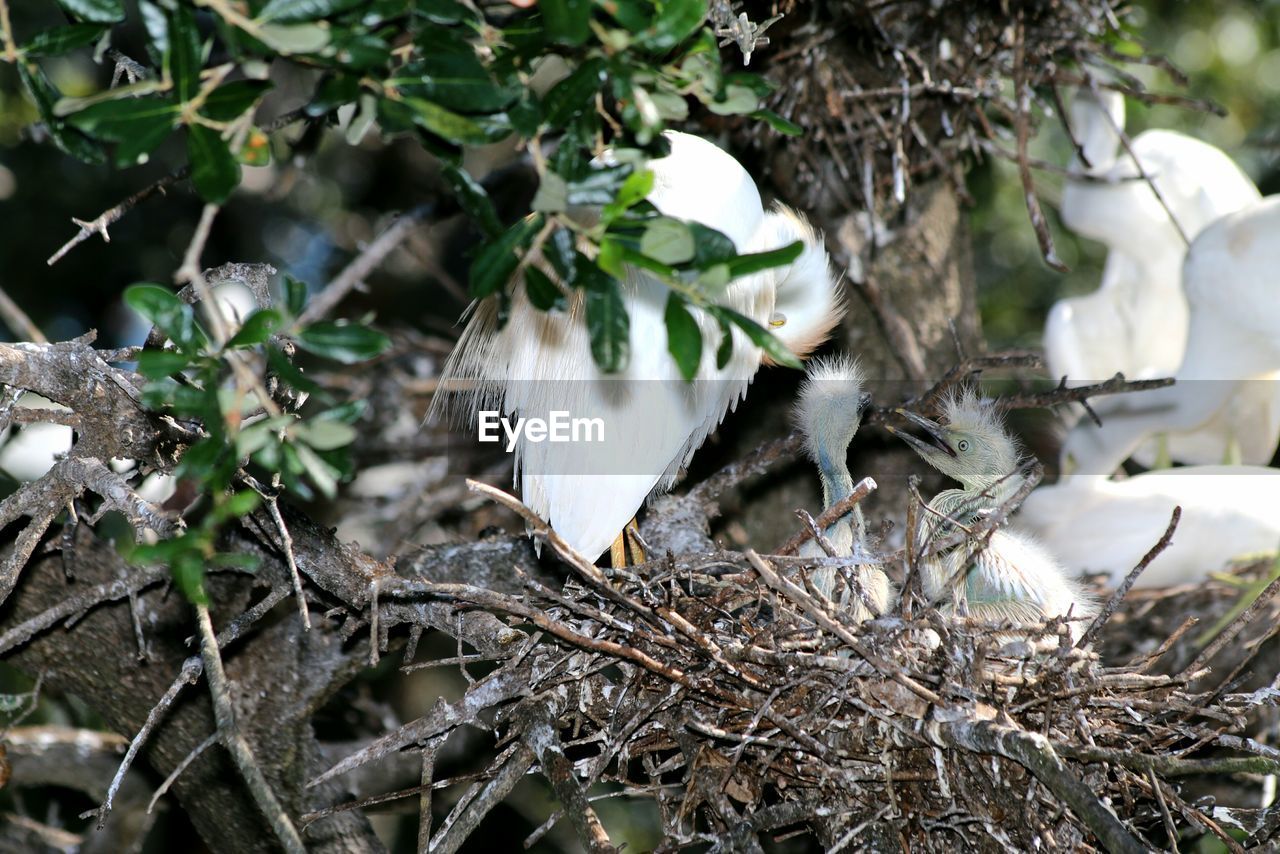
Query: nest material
(728, 692)
(892, 92)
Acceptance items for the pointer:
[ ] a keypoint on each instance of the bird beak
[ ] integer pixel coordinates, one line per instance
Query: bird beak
(931, 429)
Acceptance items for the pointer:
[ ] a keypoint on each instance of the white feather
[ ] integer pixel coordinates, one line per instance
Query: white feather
(654, 421)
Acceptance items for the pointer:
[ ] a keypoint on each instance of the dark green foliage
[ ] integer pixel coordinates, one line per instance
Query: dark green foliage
(190, 379)
(463, 82)
(438, 72)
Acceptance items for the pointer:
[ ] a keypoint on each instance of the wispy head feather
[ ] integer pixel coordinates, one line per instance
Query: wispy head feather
(829, 408)
(966, 410)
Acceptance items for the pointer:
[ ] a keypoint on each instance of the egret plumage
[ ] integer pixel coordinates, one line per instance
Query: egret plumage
(1137, 321)
(829, 411)
(1232, 359)
(1014, 577)
(540, 362)
(1093, 524)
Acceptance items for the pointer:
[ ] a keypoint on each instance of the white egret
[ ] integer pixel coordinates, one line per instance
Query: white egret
(1093, 524)
(1232, 355)
(1137, 320)
(1013, 578)
(653, 421)
(829, 411)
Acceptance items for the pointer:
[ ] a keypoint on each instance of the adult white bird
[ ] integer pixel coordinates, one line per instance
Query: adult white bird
(1137, 320)
(540, 363)
(1014, 578)
(1232, 355)
(1093, 524)
(829, 411)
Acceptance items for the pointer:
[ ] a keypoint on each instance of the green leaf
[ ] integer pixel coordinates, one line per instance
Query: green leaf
(333, 92)
(566, 21)
(737, 100)
(188, 575)
(295, 295)
(359, 51)
(634, 190)
(725, 348)
(711, 247)
(761, 337)
(139, 125)
(756, 261)
(607, 323)
(296, 38)
(778, 123)
(59, 40)
(325, 435)
(561, 252)
(156, 364)
(293, 11)
(446, 124)
(543, 293)
(575, 94)
(256, 329)
(323, 475)
(668, 240)
(97, 11)
(45, 95)
(599, 187)
(445, 11)
(552, 195)
(118, 120)
(214, 169)
(184, 59)
(458, 81)
(236, 505)
(348, 413)
(230, 100)
(676, 20)
(473, 199)
(347, 343)
(245, 562)
(497, 260)
(167, 313)
(684, 338)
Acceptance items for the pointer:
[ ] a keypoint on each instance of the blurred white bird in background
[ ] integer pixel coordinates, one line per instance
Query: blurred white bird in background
(538, 363)
(1014, 578)
(1093, 524)
(829, 411)
(1136, 322)
(1232, 354)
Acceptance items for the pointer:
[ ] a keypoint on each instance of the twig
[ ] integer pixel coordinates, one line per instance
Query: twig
(16, 319)
(363, 264)
(1022, 126)
(829, 516)
(182, 766)
(10, 46)
(241, 753)
(1034, 752)
(1236, 626)
(109, 217)
(469, 813)
(286, 545)
(1123, 590)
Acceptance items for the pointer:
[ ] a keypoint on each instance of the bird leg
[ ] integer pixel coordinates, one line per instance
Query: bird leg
(627, 549)
(635, 546)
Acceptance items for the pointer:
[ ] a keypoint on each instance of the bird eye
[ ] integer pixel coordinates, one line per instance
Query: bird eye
(777, 319)
(963, 445)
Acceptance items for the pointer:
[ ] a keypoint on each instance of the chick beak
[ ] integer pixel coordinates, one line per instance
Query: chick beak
(938, 440)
